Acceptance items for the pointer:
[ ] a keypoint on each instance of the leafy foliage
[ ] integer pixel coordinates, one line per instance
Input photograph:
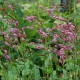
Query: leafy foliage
(37, 44)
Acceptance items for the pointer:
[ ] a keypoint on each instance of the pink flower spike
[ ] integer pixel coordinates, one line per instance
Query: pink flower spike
(19, 34)
(55, 37)
(3, 33)
(7, 57)
(7, 44)
(39, 47)
(5, 51)
(15, 35)
(39, 40)
(30, 18)
(42, 33)
(60, 61)
(22, 29)
(49, 10)
(10, 6)
(32, 42)
(61, 52)
(16, 23)
(8, 21)
(23, 39)
(14, 30)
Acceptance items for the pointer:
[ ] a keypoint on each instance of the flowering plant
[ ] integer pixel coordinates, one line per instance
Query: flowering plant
(35, 45)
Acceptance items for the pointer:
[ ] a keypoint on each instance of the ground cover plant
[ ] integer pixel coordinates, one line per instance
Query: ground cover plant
(37, 43)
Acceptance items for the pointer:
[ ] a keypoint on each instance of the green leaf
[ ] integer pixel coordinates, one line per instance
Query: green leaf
(1, 72)
(26, 69)
(19, 13)
(12, 73)
(59, 22)
(53, 76)
(34, 45)
(36, 73)
(1, 52)
(56, 3)
(30, 32)
(1, 2)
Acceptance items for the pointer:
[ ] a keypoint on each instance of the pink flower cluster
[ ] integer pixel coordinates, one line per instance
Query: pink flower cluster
(60, 51)
(30, 18)
(49, 37)
(55, 37)
(67, 31)
(38, 47)
(16, 23)
(61, 54)
(50, 12)
(9, 5)
(67, 35)
(8, 21)
(18, 34)
(7, 39)
(13, 37)
(42, 33)
(6, 55)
